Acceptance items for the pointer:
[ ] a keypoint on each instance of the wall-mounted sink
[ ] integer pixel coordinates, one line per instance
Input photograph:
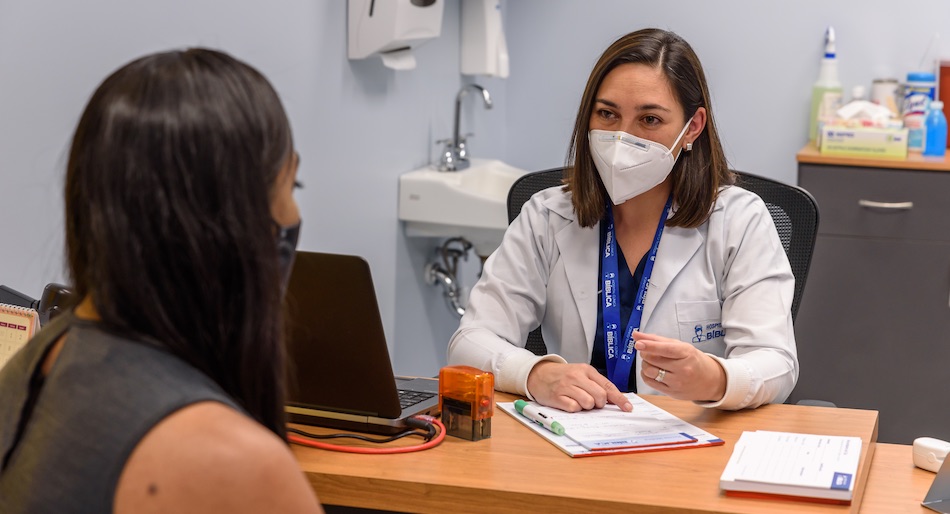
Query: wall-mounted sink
(470, 203)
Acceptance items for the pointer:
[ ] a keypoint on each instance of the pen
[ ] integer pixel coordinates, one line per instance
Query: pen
(534, 414)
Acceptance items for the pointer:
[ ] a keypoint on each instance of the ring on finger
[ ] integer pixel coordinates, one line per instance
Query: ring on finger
(660, 375)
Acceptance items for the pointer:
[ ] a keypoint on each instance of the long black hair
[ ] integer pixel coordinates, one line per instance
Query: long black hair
(168, 221)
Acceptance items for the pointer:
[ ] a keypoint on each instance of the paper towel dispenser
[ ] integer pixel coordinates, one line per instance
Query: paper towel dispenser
(483, 47)
(392, 29)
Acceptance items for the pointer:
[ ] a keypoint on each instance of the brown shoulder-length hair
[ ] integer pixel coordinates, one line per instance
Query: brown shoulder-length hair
(697, 174)
(168, 220)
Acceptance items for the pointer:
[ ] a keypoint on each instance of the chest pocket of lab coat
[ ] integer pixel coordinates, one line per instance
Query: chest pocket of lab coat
(700, 323)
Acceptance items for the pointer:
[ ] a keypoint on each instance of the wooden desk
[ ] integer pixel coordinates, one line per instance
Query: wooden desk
(517, 471)
(895, 484)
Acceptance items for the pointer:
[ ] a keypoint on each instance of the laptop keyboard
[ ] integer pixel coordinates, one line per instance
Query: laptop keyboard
(410, 398)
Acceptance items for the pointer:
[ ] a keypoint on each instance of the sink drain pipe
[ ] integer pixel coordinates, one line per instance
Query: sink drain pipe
(446, 272)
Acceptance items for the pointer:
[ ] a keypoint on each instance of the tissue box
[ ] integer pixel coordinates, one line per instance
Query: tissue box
(863, 142)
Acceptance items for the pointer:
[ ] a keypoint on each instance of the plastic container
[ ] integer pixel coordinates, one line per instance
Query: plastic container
(936, 131)
(858, 93)
(826, 92)
(918, 93)
(885, 92)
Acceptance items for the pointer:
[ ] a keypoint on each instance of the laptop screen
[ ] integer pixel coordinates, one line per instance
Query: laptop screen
(338, 359)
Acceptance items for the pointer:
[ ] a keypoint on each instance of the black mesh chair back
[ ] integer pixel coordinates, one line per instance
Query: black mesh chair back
(529, 184)
(794, 212)
(521, 191)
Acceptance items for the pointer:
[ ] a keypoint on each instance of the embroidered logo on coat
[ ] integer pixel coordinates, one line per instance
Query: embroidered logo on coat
(710, 331)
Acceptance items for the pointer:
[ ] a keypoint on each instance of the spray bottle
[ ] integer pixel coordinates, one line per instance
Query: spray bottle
(826, 93)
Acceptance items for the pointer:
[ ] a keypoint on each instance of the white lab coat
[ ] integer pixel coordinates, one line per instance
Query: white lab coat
(731, 271)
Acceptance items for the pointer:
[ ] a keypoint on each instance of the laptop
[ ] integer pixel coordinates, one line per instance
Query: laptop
(938, 497)
(339, 371)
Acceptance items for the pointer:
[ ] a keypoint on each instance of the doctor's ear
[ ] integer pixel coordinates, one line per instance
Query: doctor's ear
(696, 126)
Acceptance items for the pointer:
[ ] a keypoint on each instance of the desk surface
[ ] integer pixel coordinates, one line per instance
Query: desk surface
(895, 484)
(517, 471)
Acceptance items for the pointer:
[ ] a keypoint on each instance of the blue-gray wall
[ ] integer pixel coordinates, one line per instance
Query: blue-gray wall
(760, 58)
(358, 125)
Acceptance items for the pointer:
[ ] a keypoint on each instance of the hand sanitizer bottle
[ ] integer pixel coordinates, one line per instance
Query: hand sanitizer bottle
(935, 127)
(826, 93)
(918, 93)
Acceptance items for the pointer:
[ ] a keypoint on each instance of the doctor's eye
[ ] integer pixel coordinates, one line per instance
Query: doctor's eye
(651, 120)
(606, 114)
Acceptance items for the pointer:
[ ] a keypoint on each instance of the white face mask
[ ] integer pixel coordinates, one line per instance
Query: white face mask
(630, 165)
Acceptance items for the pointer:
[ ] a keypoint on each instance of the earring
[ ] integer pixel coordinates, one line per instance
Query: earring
(689, 147)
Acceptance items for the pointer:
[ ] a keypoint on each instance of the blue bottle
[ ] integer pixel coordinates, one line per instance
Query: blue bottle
(936, 131)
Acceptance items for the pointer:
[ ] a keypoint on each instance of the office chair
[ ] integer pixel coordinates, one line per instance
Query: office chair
(794, 212)
(56, 299)
(520, 192)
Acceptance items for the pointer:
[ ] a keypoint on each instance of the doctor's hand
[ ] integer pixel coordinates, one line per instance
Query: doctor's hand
(679, 369)
(573, 387)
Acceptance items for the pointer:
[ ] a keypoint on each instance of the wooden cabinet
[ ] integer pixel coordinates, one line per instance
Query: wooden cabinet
(873, 330)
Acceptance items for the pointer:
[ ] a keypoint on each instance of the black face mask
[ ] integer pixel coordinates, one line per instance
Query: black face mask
(286, 251)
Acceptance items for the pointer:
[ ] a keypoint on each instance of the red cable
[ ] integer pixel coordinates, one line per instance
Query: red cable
(377, 451)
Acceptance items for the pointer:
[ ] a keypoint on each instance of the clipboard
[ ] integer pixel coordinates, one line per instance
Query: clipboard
(651, 429)
(17, 326)
(645, 441)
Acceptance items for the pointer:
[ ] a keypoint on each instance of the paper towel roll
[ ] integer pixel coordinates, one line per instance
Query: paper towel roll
(399, 59)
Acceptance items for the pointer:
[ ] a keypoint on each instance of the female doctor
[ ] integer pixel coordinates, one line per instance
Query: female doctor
(648, 271)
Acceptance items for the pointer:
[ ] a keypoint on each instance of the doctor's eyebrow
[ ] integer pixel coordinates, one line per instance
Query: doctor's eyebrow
(644, 107)
(653, 107)
(608, 103)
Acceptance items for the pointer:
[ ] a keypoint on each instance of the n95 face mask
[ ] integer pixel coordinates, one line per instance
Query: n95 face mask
(629, 165)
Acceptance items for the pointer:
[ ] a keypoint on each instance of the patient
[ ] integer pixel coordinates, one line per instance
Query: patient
(162, 391)
(648, 200)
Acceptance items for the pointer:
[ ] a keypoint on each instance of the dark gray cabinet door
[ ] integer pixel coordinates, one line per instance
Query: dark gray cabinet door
(899, 204)
(873, 332)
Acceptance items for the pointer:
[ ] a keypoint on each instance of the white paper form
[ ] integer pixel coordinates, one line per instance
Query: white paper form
(804, 460)
(610, 430)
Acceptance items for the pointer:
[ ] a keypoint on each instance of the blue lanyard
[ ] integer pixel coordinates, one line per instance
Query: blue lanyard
(620, 360)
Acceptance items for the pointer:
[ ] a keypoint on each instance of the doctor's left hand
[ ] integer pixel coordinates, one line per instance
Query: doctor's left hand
(689, 373)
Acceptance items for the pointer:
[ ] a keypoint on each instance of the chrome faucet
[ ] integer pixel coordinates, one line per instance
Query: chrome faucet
(454, 154)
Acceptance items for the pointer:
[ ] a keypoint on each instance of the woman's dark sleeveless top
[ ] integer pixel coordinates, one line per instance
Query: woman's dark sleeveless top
(65, 438)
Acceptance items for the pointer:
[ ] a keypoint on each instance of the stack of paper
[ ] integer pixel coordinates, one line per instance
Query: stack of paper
(796, 466)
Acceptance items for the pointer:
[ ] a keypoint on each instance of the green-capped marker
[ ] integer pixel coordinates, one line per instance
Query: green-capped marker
(533, 413)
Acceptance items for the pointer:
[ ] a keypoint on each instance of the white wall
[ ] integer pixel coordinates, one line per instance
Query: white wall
(358, 126)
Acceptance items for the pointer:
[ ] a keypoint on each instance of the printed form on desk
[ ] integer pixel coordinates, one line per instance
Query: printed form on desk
(807, 466)
(609, 431)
